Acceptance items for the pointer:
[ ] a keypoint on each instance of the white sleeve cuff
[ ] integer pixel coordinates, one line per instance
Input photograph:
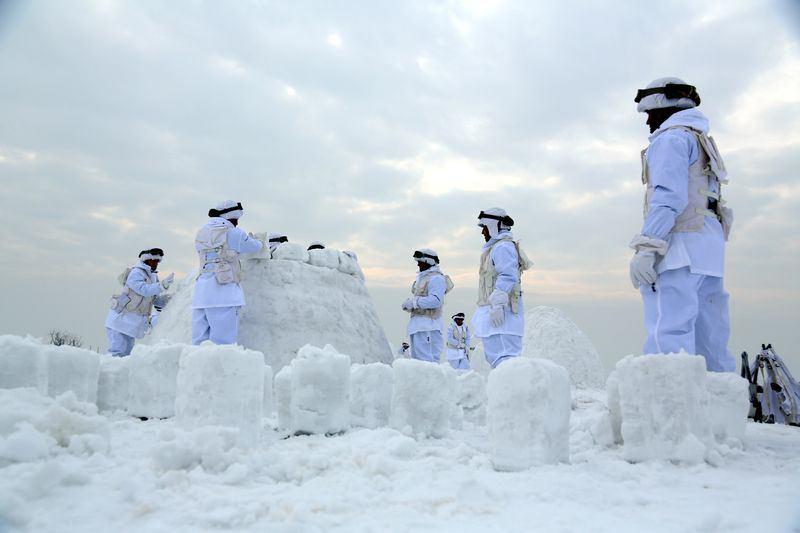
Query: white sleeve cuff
(643, 243)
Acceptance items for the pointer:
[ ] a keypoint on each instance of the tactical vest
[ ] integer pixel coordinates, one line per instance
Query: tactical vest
(129, 301)
(487, 275)
(704, 174)
(420, 288)
(216, 256)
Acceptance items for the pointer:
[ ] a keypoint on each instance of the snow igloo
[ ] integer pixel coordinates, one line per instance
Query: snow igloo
(292, 300)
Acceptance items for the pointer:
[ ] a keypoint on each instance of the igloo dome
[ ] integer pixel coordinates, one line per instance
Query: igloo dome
(293, 300)
(550, 334)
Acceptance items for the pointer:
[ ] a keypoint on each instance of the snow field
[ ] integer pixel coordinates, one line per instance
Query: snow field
(112, 383)
(72, 369)
(22, 363)
(269, 404)
(291, 251)
(528, 415)
(472, 396)
(320, 389)
(550, 334)
(153, 379)
(371, 389)
(221, 385)
(728, 406)
(423, 398)
(283, 397)
(659, 402)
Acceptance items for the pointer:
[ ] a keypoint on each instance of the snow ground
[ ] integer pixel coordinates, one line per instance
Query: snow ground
(158, 477)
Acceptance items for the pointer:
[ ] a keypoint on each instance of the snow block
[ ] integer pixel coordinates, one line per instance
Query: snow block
(320, 391)
(728, 405)
(153, 380)
(283, 397)
(350, 266)
(614, 409)
(662, 407)
(22, 363)
(269, 405)
(112, 384)
(529, 410)
(472, 396)
(291, 251)
(326, 258)
(221, 385)
(72, 369)
(371, 395)
(550, 334)
(422, 399)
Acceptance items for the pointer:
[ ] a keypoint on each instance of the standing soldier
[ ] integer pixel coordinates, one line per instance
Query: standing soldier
(425, 306)
(217, 294)
(499, 320)
(680, 252)
(458, 343)
(130, 311)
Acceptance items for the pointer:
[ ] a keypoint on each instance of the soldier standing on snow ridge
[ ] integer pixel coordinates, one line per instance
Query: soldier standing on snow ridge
(680, 252)
(217, 294)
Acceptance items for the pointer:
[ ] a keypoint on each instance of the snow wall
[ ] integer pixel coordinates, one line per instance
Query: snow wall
(291, 303)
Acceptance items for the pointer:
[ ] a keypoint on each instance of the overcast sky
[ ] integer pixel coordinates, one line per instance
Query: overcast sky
(381, 127)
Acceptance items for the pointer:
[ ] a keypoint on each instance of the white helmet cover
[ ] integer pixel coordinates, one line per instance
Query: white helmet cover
(659, 100)
(426, 255)
(496, 219)
(228, 210)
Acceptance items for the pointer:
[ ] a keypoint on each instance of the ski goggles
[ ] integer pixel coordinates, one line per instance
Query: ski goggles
(220, 212)
(673, 91)
(420, 255)
(507, 220)
(279, 239)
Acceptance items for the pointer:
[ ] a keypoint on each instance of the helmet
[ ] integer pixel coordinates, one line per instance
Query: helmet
(667, 92)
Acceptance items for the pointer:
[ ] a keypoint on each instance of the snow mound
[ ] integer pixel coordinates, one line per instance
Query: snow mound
(211, 447)
(472, 396)
(283, 397)
(659, 403)
(72, 369)
(728, 405)
(290, 304)
(320, 390)
(33, 426)
(112, 383)
(529, 410)
(291, 251)
(371, 394)
(22, 363)
(550, 334)
(326, 258)
(153, 379)
(221, 385)
(422, 399)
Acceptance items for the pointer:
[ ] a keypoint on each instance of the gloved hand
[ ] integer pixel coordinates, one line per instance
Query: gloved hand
(498, 300)
(166, 282)
(642, 269)
(409, 304)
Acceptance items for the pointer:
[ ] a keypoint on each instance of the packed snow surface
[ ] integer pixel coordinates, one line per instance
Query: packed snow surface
(424, 397)
(153, 379)
(550, 334)
(291, 303)
(113, 383)
(320, 391)
(528, 415)
(371, 388)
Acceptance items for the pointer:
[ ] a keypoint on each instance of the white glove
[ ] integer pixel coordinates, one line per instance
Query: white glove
(166, 282)
(409, 304)
(498, 300)
(643, 270)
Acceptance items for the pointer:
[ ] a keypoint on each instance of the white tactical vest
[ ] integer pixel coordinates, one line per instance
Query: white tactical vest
(216, 256)
(705, 175)
(487, 275)
(129, 301)
(460, 335)
(421, 289)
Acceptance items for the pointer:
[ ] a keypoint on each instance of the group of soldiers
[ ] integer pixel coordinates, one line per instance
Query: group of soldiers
(678, 260)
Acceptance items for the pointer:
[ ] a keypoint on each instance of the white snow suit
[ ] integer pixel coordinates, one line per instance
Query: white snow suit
(130, 323)
(458, 342)
(689, 308)
(500, 343)
(425, 325)
(215, 305)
